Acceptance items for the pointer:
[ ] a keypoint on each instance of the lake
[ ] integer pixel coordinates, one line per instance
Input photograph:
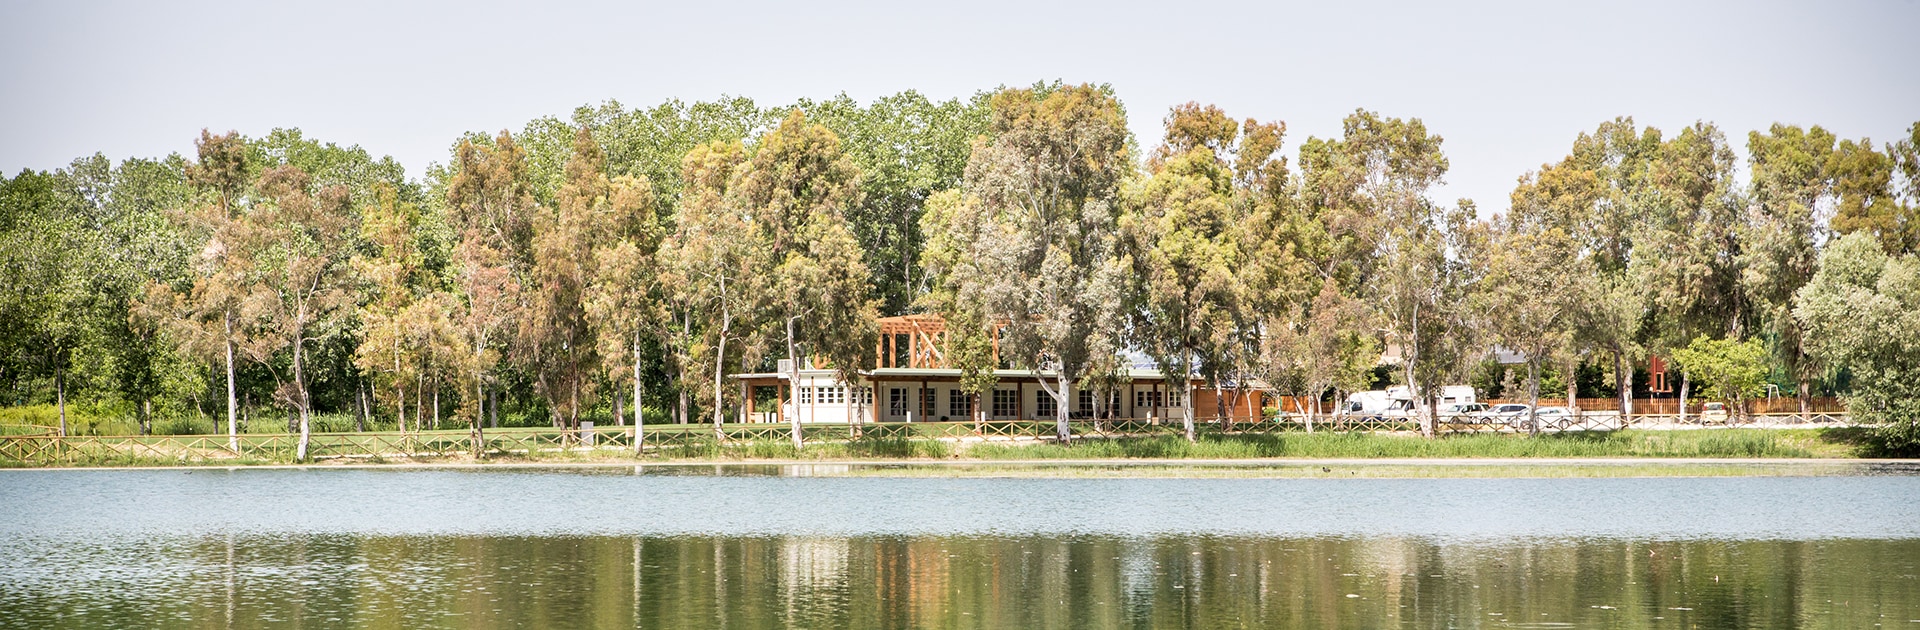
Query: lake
(823, 547)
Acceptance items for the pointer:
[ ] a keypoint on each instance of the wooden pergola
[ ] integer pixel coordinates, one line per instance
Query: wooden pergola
(924, 339)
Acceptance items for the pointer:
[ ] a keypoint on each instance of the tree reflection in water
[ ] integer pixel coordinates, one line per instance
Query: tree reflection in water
(961, 582)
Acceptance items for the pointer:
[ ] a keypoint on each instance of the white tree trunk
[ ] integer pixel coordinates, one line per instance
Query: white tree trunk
(233, 399)
(793, 380)
(638, 417)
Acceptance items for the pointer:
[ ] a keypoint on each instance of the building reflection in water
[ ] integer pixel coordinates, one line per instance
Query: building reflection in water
(959, 582)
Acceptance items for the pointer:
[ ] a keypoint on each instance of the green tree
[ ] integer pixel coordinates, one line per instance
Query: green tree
(1729, 370)
(296, 250)
(1179, 236)
(1780, 248)
(1048, 183)
(709, 263)
(1399, 247)
(813, 279)
(958, 235)
(1862, 315)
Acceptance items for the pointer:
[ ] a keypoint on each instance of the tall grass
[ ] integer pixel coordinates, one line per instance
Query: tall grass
(1718, 443)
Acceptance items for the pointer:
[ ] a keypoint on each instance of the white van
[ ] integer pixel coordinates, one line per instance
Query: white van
(1398, 402)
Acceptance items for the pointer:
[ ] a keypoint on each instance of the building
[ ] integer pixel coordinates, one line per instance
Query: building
(913, 382)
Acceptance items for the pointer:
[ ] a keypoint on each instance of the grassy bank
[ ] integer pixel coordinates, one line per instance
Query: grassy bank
(1630, 443)
(875, 446)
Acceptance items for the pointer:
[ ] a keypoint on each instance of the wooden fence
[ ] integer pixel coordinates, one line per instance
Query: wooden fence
(1671, 406)
(46, 449)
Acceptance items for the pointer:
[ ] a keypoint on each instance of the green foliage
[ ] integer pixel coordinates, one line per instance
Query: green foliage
(1862, 314)
(1726, 369)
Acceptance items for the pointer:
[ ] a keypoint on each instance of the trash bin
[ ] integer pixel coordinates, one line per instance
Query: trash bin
(586, 433)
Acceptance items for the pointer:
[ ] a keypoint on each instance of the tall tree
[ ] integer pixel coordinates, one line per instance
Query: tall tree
(623, 297)
(1687, 254)
(391, 272)
(1179, 236)
(1789, 190)
(1402, 249)
(709, 264)
(1048, 182)
(490, 206)
(296, 244)
(814, 280)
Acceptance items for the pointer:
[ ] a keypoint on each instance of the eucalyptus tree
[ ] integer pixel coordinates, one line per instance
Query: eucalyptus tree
(960, 243)
(1047, 182)
(1395, 244)
(1528, 310)
(1687, 254)
(812, 277)
(392, 273)
(1597, 195)
(1862, 181)
(490, 207)
(1791, 194)
(1180, 236)
(298, 290)
(708, 261)
(621, 295)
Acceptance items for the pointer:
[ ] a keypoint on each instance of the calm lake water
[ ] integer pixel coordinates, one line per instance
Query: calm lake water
(747, 547)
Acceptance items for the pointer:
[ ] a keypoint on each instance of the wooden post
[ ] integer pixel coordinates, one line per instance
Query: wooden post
(748, 393)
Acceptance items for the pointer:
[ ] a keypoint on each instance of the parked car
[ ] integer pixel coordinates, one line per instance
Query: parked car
(1466, 412)
(1560, 418)
(1713, 412)
(1510, 414)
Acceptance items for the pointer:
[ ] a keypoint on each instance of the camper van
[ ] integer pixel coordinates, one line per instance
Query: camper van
(1397, 402)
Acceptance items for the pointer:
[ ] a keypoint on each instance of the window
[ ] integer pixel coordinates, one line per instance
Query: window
(1148, 399)
(1176, 398)
(1043, 406)
(1086, 401)
(1006, 403)
(959, 404)
(804, 394)
(926, 403)
(833, 395)
(896, 401)
(863, 395)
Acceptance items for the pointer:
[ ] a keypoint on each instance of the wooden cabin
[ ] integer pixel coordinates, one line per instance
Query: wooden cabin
(913, 382)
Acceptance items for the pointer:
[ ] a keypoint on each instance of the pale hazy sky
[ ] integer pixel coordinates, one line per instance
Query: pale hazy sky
(1508, 85)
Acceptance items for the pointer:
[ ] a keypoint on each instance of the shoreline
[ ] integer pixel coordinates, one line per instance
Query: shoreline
(1375, 468)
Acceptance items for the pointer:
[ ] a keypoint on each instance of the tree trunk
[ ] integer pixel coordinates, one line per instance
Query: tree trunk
(1806, 400)
(60, 397)
(1573, 386)
(1623, 386)
(1186, 406)
(493, 408)
(146, 416)
(1533, 396)
(1686, 382)
(719, 365)
(1060, 411)
(233, 401)
(436, 405)
(300, 393)
(793, 380)
(360, 408)
(640, 438)
(1427, 420)
(479, 411)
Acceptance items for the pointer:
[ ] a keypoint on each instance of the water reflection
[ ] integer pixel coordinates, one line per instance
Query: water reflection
(957, 582)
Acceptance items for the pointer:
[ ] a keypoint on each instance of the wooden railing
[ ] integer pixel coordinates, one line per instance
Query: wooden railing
(46, 449)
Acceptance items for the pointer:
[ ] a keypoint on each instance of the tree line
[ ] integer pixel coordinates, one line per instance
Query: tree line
(621, 262)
